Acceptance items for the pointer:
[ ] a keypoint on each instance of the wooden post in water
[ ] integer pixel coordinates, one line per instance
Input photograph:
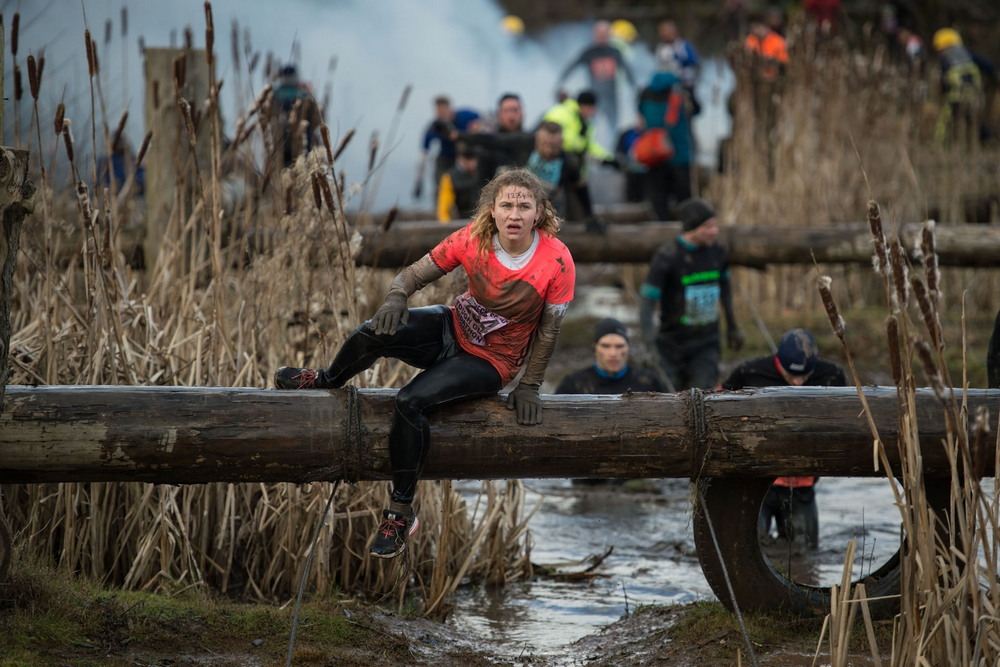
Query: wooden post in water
(16, 201)
(173, 166)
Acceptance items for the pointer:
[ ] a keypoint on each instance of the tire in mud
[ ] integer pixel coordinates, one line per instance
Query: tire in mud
(733, 506)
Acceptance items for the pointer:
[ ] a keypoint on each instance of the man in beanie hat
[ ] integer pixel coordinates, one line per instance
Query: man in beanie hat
(689, 278)
(611, 374)
(791, 501)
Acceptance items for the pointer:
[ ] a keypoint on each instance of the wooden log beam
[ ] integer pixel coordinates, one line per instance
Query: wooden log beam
(748, 245)
(182, 435)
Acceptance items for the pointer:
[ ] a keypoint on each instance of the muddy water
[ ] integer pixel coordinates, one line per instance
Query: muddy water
(652, 561)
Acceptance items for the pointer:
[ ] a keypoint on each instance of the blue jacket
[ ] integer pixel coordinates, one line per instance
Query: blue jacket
(664, 93)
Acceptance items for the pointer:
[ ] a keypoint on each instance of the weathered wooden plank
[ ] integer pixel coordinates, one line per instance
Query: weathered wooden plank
(197, 434)
(748, 245)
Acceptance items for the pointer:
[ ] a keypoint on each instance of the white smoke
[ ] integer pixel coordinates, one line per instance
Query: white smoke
(452, 47)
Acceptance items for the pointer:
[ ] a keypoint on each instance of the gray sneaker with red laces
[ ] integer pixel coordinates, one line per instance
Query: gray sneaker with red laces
(390, 540)
(288, 377)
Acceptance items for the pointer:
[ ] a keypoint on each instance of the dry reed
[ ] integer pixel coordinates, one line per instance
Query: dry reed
(238, 288)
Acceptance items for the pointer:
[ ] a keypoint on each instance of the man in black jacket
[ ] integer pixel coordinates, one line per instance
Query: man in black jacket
(689, 279)
(611, 374)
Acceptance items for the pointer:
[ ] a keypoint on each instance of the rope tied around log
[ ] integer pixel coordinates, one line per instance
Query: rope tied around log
(352, 435)
(697, 424)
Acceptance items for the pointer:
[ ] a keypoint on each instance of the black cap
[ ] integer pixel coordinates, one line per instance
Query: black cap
(797, 352)
(586, 97)
(610, 325)
(693, 212)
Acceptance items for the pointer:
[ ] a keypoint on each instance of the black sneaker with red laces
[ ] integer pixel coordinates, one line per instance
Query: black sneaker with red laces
(390, 540)
(288, 377)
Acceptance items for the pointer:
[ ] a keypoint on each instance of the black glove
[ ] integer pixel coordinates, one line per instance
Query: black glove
(441, 127)
(418, 188)
(391, 315)
(527, 402)
(734, 338)
(613, 163)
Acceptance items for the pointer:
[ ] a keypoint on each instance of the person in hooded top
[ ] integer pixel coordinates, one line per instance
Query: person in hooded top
(790, 503)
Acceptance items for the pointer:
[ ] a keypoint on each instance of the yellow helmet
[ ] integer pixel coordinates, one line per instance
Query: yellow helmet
(624, 30)
(512, 24)
(946, 38)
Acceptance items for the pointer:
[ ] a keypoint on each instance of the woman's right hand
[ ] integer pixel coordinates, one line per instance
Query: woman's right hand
(391, 315)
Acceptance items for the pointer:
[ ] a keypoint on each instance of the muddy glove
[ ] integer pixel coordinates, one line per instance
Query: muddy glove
(734, 339)
(391, 315)
(527, 402)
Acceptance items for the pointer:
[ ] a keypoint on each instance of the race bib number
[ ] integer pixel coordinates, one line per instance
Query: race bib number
(700, 304)
(476, 319)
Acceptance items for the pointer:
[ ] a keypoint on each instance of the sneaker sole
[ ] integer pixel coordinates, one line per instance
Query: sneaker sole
(402, 546)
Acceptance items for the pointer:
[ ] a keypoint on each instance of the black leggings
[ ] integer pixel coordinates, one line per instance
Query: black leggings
(450, 374)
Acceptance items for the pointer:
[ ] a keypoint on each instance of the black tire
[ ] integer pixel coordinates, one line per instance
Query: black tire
(733, 506)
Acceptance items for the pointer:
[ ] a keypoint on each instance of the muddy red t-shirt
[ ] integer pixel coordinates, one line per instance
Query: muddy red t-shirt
(497, 317)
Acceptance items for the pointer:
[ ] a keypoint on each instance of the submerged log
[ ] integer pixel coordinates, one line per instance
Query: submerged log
(754, 246)
(184, 435)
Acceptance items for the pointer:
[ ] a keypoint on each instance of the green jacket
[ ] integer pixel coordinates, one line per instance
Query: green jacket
(575, 138)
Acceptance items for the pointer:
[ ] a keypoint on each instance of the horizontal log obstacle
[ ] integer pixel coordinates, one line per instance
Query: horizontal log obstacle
(734, 442)
(974, 246)
(189, 435)
(748, 245)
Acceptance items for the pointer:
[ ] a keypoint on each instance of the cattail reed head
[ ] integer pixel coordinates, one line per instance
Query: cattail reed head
(209, 34)
(186, 114)
(91, 61)
(116, 138)
(188, 38)
(390, 218)
(60, 115)
(143, 148)
(930, 369)
(234, 42)
(254, 61)
(928, 246)
(404, 97)
(343, 144)
(67, 133)
(317, 197)
(928, 313)
(373, 151)
(895, 359)
(107, 31)
(124, 21)
(836, 321)
(15, 26)
(180, 72)
(881, 261)
(33, 81)
(324, 133)
(83, 201)
(901, 290)
(324, 188)
(18, 85)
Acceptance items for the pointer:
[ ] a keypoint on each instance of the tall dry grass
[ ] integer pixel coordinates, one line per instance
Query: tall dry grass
(255, 269)
(950, 583)
(843, 127)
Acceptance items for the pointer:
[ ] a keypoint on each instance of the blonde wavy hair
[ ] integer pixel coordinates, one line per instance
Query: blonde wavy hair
(483, 226)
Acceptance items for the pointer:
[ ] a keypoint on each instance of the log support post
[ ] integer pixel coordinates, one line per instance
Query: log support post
(16, 201)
